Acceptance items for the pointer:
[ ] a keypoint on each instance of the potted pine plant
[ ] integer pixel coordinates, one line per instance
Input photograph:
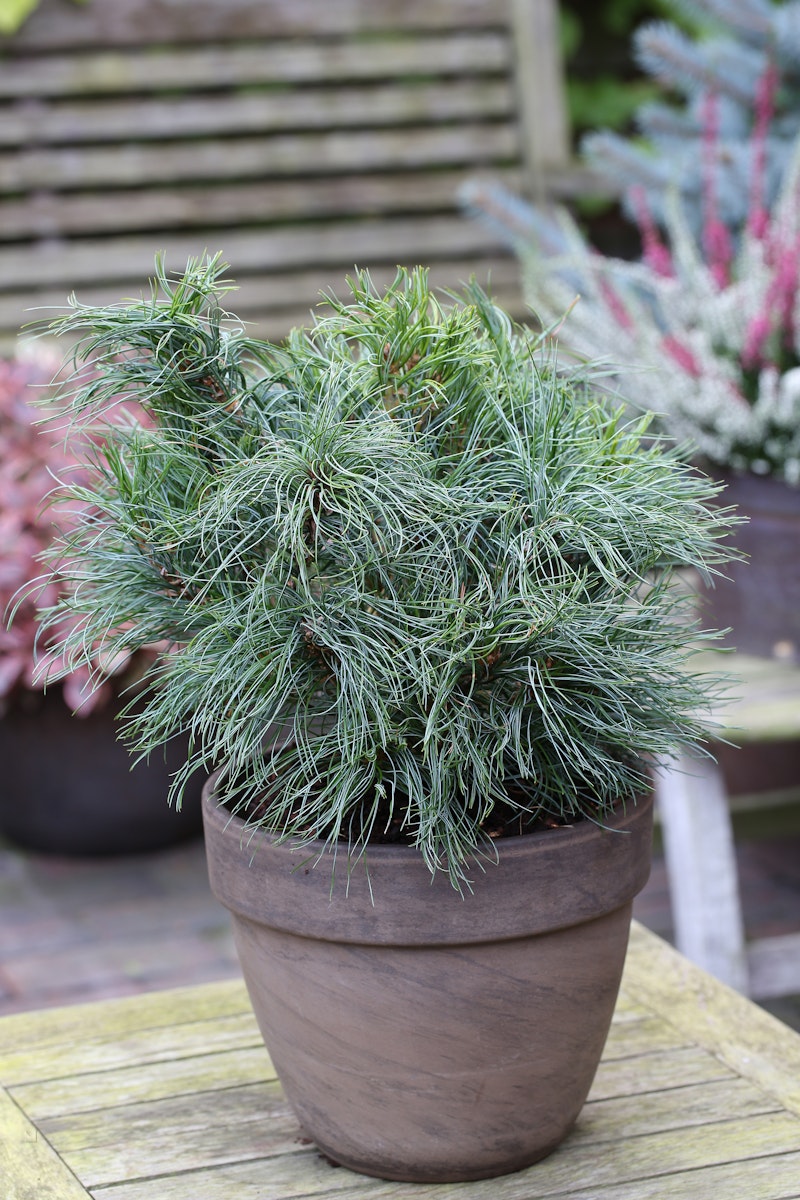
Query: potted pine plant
(61, 759)
(418, 589)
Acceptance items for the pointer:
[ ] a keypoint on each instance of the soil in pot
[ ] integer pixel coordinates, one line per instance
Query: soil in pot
(421, 1035)
(69, 787)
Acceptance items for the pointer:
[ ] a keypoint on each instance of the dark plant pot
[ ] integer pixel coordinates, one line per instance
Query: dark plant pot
(68, 787)
(423, 1036)
(760, 599)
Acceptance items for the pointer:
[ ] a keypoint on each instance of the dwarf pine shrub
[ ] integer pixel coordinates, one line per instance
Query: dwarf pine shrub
(411, 577)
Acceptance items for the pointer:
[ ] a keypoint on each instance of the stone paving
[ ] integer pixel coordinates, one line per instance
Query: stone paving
(79, 929)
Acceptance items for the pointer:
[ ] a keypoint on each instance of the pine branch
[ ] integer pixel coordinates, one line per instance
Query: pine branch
(786, 37)
(720, 65)
(751, 19)
(626, 163)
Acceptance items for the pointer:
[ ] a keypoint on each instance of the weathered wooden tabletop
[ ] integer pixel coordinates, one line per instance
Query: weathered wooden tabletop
(171, 1096)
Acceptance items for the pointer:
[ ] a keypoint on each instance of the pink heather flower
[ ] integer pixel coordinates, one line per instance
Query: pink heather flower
(654, 252)
(615, 305)
(758, 332)
(786, 283)
(32, 457)
(776, 318)
(719, 251)
(758, 216)
(717, 244)
(682, 355)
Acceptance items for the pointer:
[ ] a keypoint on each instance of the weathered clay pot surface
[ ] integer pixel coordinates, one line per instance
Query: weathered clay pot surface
(760, 598)
(418, 1035)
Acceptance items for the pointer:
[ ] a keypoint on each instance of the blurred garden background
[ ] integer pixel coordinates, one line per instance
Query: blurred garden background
(302, 139)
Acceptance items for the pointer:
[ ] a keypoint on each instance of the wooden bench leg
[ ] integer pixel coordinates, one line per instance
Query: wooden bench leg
(701, 868)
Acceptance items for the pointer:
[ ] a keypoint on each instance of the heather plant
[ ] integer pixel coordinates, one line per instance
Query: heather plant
(34, 455)
(707, 336)
(416, 580)
(705, 327)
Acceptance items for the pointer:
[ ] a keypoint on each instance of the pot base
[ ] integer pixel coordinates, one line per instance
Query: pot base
(434, 1065)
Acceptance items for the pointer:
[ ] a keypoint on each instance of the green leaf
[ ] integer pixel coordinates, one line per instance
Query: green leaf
(14, 13)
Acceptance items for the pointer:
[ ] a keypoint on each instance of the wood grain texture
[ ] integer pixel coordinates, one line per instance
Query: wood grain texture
(694, 1004)
(270, 63)
(162, 119)
(773, 1178)
(390, 241)
(159, 1080)
(163, 1137)
(222, 205)
(264, 112)
(579, 1168)
(29, 1167)
(657, 1070)
(697, 1098)
(55, 24)
(541, 88)
(314, 154)
(64, 1041)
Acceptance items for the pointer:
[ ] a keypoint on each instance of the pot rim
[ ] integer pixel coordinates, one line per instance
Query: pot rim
(388, 895)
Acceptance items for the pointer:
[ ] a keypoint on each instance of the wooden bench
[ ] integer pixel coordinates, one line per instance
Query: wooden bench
(695, 813)
(298, 137)
(171, 1096)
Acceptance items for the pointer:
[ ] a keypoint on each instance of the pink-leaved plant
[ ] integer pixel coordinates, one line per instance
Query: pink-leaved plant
(34, 457)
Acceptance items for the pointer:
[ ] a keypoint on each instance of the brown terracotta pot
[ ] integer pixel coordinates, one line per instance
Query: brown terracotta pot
(420, 1035)
(69, 786)
(759, 599)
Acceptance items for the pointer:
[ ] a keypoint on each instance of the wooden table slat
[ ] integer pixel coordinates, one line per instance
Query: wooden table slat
(203, 1073)
(29, 1167)
(572, 1171)
(773, 1178)
(161, 1044)
(657, 1072)
(751, 1041)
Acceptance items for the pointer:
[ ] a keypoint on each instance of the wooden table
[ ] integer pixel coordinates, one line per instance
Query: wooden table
(171, 1096)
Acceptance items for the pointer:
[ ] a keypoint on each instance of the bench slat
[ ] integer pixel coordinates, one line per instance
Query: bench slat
(349, 152)
(388, 240)
(265, 112)
(129, 22)
(210, 69)
(762, 697)
(50, 214)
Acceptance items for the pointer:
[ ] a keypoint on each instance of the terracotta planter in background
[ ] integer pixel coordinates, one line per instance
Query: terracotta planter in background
(420, 1035)
(69, 787)
(760, 599)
